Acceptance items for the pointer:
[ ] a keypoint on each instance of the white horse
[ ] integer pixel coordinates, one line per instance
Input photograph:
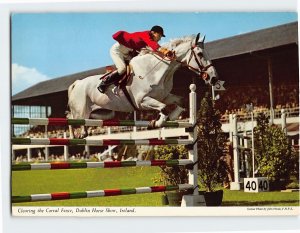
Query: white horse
(149, 86)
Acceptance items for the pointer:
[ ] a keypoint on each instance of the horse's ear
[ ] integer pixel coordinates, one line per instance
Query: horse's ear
(203, 39)
(197, 38)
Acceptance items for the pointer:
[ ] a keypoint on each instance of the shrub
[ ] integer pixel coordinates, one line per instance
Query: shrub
(172, 175)
(273, 151)
(211, 142)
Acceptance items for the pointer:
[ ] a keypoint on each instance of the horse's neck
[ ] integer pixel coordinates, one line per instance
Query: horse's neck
(154, 70)
(171, 70)
(152, 76)
(150, 67)
(168, 78)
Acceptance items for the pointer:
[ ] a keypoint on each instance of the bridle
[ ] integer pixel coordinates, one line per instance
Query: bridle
(201, 70)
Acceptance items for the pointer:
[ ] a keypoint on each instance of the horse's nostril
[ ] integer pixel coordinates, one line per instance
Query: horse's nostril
(213, 81)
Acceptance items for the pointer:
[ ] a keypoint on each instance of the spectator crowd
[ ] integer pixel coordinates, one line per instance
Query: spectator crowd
(232, 101)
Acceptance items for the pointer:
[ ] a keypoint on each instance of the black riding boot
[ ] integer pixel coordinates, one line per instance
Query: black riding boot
(110, 79)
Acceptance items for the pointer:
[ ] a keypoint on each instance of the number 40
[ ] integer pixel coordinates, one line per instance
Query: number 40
(252, 185)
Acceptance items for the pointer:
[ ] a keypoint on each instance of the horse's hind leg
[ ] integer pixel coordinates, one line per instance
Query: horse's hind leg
(80, 108)
(69, 116)
(85, 114)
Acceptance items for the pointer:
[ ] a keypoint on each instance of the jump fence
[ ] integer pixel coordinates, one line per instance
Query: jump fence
(190, 143)
(106, 164)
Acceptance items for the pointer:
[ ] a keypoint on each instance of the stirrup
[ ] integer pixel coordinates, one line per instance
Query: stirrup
(112, 78)
(102, 87)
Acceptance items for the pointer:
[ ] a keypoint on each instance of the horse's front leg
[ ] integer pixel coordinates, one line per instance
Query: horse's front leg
(149, 103)
(178, 101)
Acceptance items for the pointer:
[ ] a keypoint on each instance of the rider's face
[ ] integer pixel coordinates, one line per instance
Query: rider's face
(156, 36)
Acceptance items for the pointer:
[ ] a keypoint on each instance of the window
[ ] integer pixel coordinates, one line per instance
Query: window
(22, 111)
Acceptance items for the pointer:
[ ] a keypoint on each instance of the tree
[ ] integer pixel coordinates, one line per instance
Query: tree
(211, 142)
(273, 151)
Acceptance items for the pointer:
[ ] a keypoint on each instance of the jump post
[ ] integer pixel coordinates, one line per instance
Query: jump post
(235, 137)
(251, 184)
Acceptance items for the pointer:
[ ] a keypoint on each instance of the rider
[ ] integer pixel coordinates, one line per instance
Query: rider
(127, 46)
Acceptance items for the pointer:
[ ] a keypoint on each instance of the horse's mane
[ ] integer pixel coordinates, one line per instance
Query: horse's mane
(175, 42)
(172, 44)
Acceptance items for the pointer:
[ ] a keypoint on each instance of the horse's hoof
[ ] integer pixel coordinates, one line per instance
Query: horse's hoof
(151, 125)
(82, 136)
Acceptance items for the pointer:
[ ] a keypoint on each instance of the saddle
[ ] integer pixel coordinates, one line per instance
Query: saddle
(113, 77)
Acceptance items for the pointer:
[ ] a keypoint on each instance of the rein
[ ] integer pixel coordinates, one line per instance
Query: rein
(161, 59)
(199, 70)
(201, 67)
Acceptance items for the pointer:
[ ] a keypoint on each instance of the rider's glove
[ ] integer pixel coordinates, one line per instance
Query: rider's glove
(167, 53)
(170, 54)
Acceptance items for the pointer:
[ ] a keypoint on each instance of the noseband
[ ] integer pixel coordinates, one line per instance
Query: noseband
(200, 65)
(202, 69)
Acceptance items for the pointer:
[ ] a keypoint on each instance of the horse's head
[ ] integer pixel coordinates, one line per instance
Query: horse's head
(196, 60)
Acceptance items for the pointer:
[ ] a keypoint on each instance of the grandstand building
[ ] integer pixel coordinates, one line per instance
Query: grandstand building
(259, 67)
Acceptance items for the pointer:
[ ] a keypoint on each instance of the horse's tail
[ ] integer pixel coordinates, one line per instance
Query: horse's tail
(68, 112)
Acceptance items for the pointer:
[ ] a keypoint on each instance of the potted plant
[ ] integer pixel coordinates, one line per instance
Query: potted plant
(172, 175)
(211, 142)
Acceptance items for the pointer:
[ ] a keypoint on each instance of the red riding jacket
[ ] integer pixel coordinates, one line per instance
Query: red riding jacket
(136, 40)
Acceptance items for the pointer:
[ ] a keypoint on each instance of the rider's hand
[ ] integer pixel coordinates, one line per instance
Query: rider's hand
(167, 53)
(170, 54)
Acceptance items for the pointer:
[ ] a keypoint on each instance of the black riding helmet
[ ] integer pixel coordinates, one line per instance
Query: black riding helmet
(158, 29)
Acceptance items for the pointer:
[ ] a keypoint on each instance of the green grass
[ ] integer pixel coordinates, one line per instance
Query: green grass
(274, 198)
(50, 181)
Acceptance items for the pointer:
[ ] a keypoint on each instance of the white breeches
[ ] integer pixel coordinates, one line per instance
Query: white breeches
(119, 53)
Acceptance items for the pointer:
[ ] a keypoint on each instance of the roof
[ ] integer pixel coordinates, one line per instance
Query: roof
(246, 43)
(254, 41)
(55, 85)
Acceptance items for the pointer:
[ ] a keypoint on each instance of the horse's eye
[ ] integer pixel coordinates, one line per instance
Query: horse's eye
(200, 54)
